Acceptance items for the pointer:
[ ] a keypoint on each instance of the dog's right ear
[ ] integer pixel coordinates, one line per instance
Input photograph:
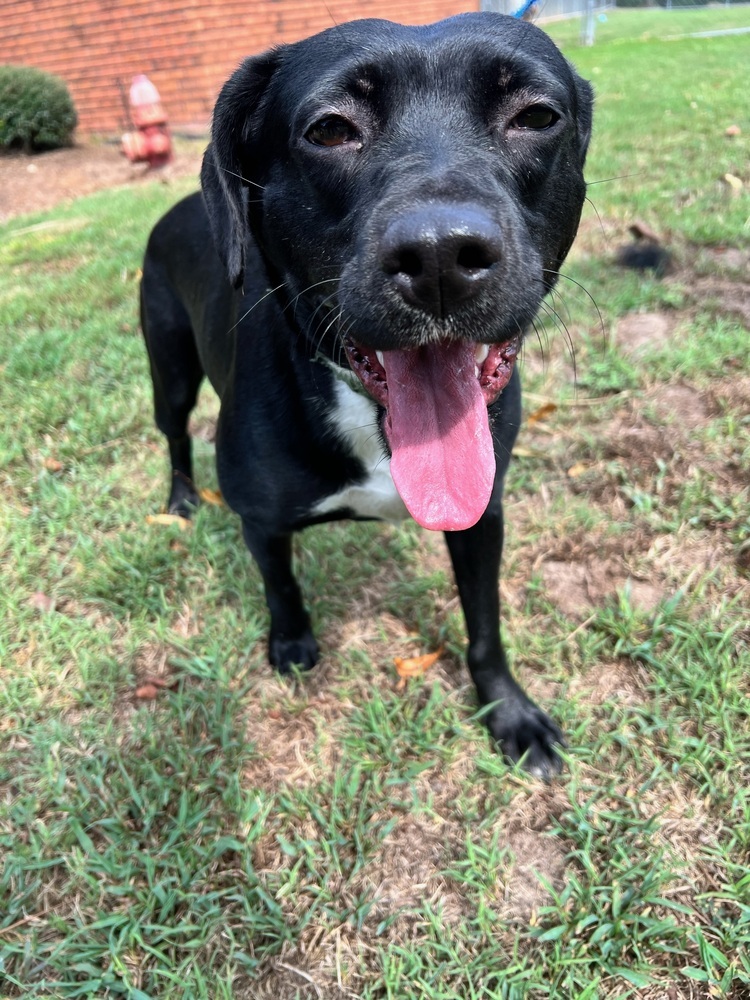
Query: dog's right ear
(231, 160)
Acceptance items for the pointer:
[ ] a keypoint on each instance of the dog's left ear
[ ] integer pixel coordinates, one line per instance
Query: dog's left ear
(585, 102)
(231, 158)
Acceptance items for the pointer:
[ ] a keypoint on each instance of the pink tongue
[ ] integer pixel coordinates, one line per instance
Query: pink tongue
(437, 426)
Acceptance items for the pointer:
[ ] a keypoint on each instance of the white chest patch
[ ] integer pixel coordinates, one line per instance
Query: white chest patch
(354, 418)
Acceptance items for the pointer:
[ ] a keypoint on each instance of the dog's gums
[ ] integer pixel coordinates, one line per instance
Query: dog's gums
(493, 368)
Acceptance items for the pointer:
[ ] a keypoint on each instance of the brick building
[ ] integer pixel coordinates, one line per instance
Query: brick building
(187, 47)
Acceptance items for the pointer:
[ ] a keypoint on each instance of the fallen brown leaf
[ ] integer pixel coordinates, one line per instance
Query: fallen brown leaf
(213, 497)
(53, 465)
(734, 182)
(414, 666)
(147, 691)
(166, 519)
(577, 470)
(540, 413)
(166, 683)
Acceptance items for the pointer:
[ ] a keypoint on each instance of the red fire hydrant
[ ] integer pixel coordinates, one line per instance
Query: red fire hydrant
(151, 142)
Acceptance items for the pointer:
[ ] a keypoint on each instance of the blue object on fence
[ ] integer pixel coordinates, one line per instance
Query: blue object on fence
(524, 7)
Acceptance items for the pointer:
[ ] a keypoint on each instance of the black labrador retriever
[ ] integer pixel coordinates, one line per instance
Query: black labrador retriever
(384, 209)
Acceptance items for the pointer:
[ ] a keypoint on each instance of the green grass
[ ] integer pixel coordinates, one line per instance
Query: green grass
(662, 110)
(336, 836)
(628, 26)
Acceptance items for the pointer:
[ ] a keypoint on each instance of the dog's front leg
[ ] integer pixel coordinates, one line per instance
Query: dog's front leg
(290, 642)
(523, 731)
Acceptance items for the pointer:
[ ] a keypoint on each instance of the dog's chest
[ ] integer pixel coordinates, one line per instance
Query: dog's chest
(354, 418)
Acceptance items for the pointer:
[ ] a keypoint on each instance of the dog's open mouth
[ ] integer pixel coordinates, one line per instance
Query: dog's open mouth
(437, 425)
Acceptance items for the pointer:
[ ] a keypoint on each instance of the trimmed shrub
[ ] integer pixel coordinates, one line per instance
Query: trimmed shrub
(36, 110)
(683, 3)
(632, 3)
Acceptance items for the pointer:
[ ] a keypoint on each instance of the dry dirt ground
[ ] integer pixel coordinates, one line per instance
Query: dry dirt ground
(650, 435)
(37, 183)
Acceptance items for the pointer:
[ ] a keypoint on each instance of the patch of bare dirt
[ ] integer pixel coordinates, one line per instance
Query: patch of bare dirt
(638, 333)
(729, 297)
(609, 682)
(732, 393)
(536, 857)
(681, 406)
(288, 731)
(687, 551)
(578, 587)
(304, 981)
(37, 183)
(642, 445)
(730, 260)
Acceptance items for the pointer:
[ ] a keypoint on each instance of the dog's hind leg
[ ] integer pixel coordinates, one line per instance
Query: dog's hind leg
(291, 642)
(176, 373)
(522, 729)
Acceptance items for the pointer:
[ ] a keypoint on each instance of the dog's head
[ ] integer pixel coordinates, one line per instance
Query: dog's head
(415, 189)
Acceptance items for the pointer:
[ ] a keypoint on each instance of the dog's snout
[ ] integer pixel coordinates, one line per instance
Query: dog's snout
(439, 256)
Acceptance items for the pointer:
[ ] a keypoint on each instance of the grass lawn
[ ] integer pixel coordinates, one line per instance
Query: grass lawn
(237, 836)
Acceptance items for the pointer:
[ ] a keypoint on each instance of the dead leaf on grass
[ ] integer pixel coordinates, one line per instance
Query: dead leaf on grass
(167, 519)
(579, 469)
(152, 686)
(540, 414)
(414, 666)
(734, 182)
(213, 497)
(53, 465)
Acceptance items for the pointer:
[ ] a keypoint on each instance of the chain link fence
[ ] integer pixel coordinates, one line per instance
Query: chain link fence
(543, 10)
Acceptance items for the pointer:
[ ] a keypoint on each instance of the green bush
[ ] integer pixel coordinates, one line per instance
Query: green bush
(36, 110)
(632, 3)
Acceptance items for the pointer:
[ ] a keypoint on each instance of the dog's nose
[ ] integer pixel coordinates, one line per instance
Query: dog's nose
(441, 255)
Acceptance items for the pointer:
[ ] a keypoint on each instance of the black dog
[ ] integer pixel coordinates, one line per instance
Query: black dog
(394, 203)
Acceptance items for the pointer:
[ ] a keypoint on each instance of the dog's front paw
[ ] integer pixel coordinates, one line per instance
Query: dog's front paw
(183, 498)
(527, 736)
(286, 653)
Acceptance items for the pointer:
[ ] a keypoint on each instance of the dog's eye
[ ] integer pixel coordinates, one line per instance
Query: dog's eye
(332, 131)
(537, 117)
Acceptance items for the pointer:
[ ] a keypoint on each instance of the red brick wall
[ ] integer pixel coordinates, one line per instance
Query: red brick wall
(186, 47)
